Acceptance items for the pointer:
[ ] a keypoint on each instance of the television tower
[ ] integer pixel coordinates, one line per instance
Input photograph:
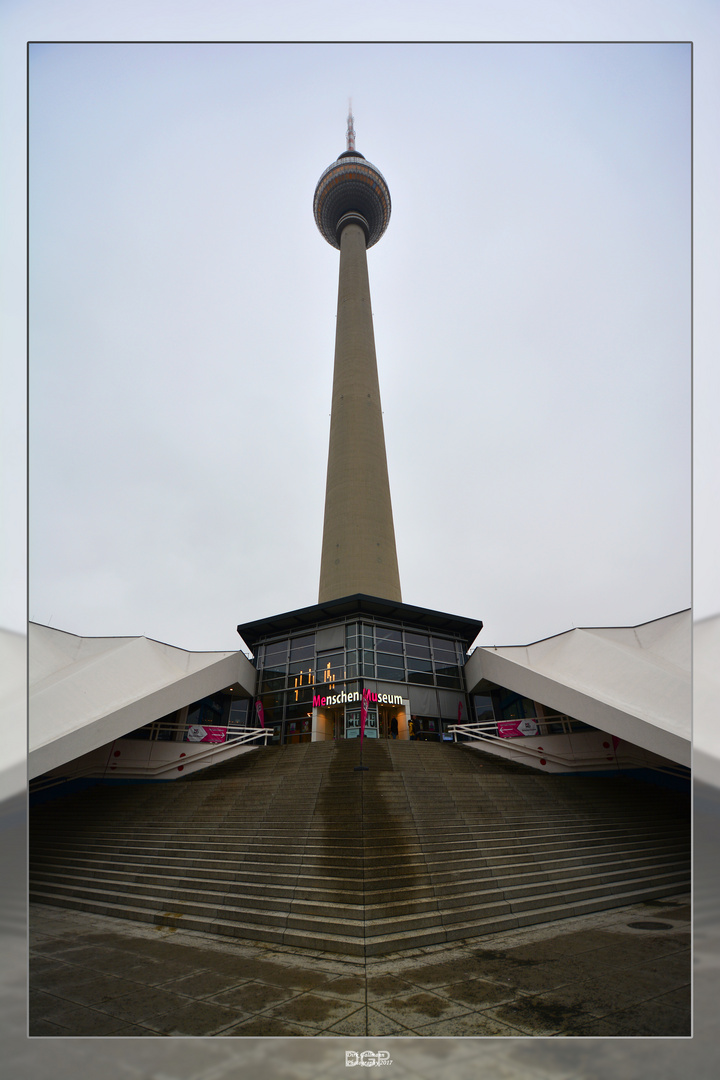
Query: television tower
(352, 210)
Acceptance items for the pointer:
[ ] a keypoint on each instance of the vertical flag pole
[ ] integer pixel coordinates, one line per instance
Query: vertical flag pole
(363, 718)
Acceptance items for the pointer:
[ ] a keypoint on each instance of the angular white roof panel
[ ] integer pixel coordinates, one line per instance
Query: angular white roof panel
(13, 711)
(633, 682)
(706, 694)
(84, 692)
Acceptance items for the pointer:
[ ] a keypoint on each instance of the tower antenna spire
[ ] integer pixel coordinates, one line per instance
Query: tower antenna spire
(350, 127)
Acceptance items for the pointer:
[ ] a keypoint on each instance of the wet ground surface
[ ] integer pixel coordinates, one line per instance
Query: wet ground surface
(591, 976)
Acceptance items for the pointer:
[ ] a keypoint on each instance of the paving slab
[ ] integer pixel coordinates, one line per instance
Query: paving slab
(593, 975)
(470, 1025)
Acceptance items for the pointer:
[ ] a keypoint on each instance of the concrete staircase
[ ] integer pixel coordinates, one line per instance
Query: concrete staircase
(293, 845)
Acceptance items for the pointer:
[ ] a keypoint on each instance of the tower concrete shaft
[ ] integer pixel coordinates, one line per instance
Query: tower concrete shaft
(358, 550)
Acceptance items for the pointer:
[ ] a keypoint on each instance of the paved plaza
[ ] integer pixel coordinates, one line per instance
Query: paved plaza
(624, 972)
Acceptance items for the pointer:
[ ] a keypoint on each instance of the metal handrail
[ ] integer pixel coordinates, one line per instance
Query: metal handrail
(248, 734)
(482, 732)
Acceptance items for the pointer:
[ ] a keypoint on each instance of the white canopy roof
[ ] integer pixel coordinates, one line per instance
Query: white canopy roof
(630, 681)
(85, 692)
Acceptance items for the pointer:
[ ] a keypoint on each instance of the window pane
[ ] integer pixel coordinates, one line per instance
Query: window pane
(418, 650)
(421, 677)
(391, 661)
(452, 683)
(331, 666)
(415, 664)
(388, 640)
(275, 672)
(303, 647)
(239, 712)
(276, 651)
(443, 643)
(297, 711)
(447, 669)
(306, 653)
(416, 639)
(301, 691)
(483, 707)
(390, 673)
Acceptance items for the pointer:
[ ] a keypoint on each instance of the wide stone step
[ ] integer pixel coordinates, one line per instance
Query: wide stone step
(292, 845)
(345, 845)
(350, 904)
(234, 876)
(443, 867)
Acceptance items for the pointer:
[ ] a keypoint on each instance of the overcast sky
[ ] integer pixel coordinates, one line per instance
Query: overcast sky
(532, 317)
(530, 300)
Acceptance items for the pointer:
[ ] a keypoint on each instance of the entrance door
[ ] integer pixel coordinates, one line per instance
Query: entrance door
(352, 723)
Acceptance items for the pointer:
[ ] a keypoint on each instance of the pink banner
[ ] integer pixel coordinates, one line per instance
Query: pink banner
(260, 713)
(363, 713)
(512, 729)
(203, 733)
(459, 712)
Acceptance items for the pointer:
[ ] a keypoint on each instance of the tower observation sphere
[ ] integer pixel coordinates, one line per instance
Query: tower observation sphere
(351, 189)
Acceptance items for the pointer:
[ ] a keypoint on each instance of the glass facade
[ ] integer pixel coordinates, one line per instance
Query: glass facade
(295, 668)
(215, 713)
(501, 707)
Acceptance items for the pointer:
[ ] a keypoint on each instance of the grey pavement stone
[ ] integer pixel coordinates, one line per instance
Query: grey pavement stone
(470, 1024)
(79, 1020)
(588, 976)
(353, 1024)
(195, 1018)
(478, 993)
(679, 999)
(350, 987)
(203, 984)
(267, 1027)
(40, 966)
(86, 987)
(533, 1016)
(44, 1027)
(254, 997)
(649, 982)
(144, 1004)
(313, 1010)
(652, 1018)
(416, 1009)
(379, 1024)
(596, 998)
(382, 986)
